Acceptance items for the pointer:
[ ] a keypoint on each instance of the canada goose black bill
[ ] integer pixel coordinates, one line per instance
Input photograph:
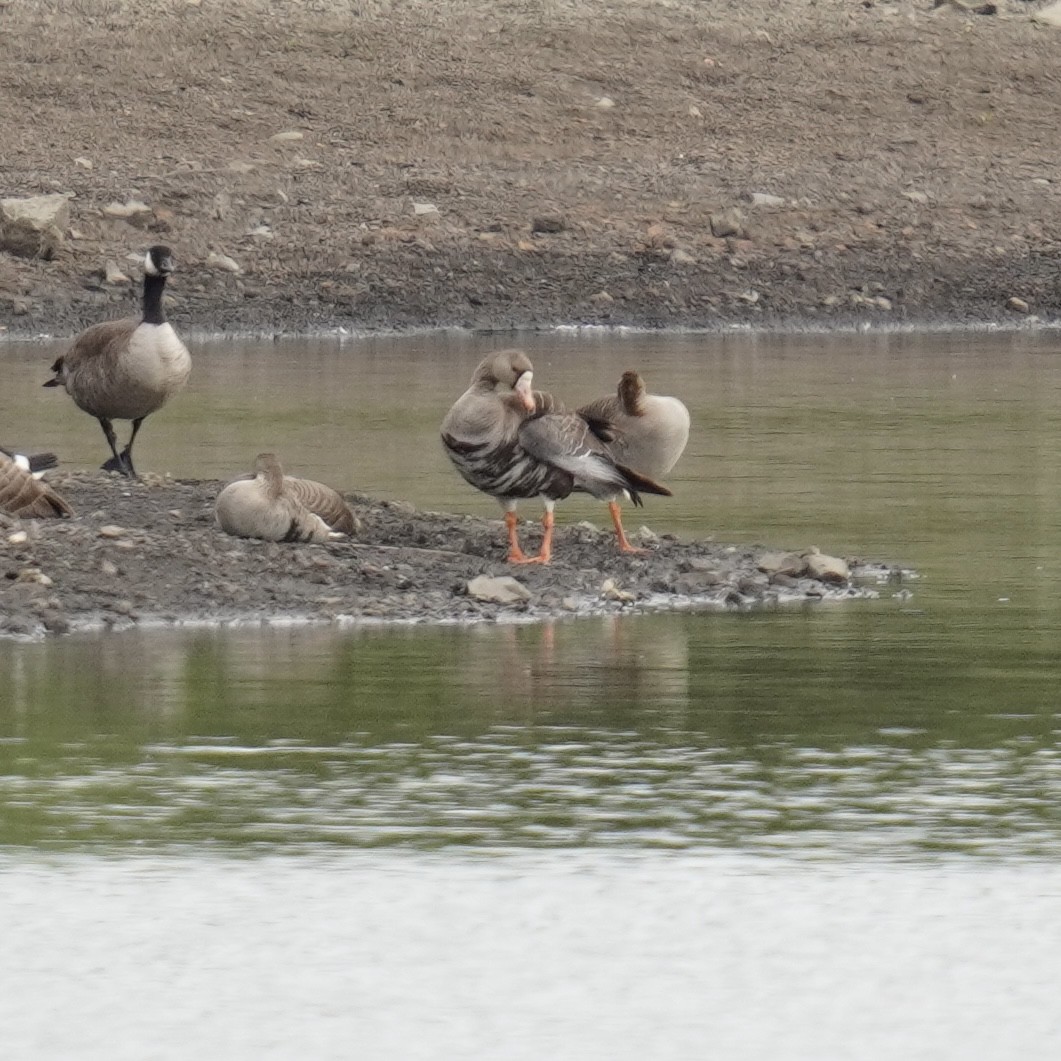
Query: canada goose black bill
(513, 442)
(645, 431)
(126, 369)
(25, 496)
(280, 508)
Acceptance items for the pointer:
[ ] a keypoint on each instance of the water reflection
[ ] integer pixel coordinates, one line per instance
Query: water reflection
(676, 732)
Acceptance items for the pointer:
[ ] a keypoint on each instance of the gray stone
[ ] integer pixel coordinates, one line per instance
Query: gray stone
(791, 564)
(548, 225)
(1049, 16)
(223, 262)
(766, 199)
(34, 227)
(1018, 305)
(503, 589)
(826, 568)
(727, 223)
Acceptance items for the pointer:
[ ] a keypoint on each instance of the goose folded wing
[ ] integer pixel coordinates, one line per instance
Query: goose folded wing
(565, 441)
(322, 501)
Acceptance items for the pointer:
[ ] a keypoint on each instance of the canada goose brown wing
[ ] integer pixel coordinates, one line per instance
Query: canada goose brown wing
(100, 342)
(22, 495)
(324, 502)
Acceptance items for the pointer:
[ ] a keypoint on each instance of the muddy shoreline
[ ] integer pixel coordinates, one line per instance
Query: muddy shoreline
(148, 552)
(741, 164)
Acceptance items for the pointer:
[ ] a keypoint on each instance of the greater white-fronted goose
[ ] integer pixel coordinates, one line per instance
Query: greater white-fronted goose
(513, 442)
(281, 508)
(648, 432)
(126, 369)
(24, 495)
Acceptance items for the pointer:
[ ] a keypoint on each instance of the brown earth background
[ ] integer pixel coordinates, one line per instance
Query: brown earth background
(588, 162)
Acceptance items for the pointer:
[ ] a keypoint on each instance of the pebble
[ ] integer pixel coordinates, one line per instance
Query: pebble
(111, 530)
(503, 589)
(223, 262)
(1018, 305)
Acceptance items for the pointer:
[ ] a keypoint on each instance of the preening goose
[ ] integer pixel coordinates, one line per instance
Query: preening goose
(280, 508)
(513, 442)
(645, 431)
(125, 370)
(23, 494)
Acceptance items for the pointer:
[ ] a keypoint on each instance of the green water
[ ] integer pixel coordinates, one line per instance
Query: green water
(826, 831)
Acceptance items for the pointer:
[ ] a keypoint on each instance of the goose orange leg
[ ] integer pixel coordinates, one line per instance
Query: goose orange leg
(617, 520)
(515, 554)
(546, 553)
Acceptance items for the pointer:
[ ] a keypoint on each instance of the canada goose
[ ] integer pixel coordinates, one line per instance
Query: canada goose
(280, 508)
(645, 431)
(36, 463)
(23, 494)
(513, 442)
(125, 370)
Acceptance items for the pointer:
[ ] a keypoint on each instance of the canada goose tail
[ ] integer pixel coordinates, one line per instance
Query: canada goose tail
(57, 368)
(41, 462)
(638, 484)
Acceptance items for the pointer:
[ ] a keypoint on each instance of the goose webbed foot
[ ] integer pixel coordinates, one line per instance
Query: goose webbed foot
(123, 464)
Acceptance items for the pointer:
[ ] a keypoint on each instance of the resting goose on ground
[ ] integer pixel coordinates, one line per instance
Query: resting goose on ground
(36, 463)
(125, 370)
(645, 431)
(23, 494)
(280, 508)
(512, 442)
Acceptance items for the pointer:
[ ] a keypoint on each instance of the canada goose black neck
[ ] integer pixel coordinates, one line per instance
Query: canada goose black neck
(158, 264)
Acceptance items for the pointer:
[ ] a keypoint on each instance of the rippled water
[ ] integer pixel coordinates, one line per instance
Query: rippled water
(831, 831)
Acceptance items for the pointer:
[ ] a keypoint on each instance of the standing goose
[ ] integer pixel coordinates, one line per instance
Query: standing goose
(125, 370)
(512, 442)
(645, 431)
(280, 508)
(23, 494)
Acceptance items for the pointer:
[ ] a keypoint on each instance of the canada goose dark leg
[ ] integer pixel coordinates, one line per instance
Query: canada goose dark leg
(115, 463)
(127, 453)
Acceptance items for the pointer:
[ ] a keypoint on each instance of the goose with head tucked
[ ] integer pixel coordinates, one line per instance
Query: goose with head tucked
(127, 369)
(281, 508)
(513, 442)
(645, 431)
(23, 493)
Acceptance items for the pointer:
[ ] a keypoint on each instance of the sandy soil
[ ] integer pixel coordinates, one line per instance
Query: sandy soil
(589, 162)
(149, 551)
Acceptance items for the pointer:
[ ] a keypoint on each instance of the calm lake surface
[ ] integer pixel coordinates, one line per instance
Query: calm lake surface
(824, 832)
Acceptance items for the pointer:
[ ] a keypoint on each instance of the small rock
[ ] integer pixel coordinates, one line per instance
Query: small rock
(791, 564)
(223, 262)
(605, 103)
(694, 111)
(601, 298)
(261, 232)
(682, 257)
(84, 163)
(421, 209)
(548, 225)
(306, 163)
(1049, 16)
(113, 275)
(288, 136)
(134, 211)
(111, 530)
(18, 538)
(610, 590)
(765, 199)
(34, 574)
(826, 568)
(1018, 305)
(727, 223)
(916, 196)
(503, 589)
(108, 568)
(34, 227)
(647, 536)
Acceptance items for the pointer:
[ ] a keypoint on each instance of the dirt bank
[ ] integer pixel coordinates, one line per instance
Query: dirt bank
(379, 165)
(149, 551)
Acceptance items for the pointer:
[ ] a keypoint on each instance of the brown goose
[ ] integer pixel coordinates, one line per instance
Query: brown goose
(125, 370)
(645, 431)
(23, 494)
(513, 442)
(280, 508)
